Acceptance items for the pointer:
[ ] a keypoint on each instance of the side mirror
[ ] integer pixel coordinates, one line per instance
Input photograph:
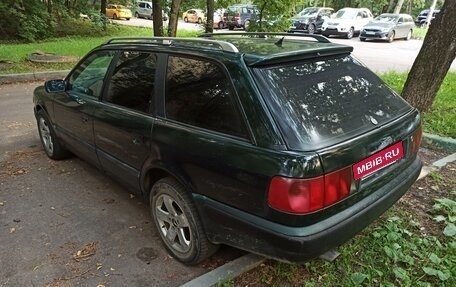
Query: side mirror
(55, 86)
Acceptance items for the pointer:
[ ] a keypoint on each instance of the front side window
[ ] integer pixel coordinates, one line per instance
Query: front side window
(88, 77)
(132, 82)
(198, 93)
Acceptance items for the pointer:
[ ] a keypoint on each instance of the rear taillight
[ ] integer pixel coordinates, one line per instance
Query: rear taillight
(297, 195)
(416, 140)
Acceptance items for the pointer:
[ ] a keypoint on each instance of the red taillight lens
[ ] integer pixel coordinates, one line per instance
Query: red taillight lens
(416, 140)
(297, 195)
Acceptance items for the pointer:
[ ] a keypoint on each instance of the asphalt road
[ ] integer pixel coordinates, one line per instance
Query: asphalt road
(51, 211)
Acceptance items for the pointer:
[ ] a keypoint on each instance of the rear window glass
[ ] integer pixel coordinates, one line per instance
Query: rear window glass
(321, 103)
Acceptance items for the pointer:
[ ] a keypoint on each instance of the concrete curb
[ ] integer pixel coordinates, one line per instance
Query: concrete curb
(227, 271)
(442, 142)
(38, 76)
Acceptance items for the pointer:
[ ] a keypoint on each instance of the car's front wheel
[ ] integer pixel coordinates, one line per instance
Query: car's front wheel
(185, 19)
(391, 37)
(114, 16)
(177, 222)
(362, 39)
(350, 33)
(51, 144)
(136, 15)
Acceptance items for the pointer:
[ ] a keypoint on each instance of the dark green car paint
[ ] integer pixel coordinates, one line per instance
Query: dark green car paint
(229, 176)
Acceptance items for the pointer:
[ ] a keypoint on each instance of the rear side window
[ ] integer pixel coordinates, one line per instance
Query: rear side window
(198, 93)
(320, 103)
(132, 82)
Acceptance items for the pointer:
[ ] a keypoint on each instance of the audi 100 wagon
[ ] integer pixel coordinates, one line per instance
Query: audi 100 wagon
(281, 146)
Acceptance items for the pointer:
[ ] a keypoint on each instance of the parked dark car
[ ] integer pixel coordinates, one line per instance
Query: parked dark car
(239, 16)
(422, 18)
(310, 19)
(388, 27)
(282, 147)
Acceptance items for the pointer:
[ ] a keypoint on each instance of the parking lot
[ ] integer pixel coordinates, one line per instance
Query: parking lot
(64, 223)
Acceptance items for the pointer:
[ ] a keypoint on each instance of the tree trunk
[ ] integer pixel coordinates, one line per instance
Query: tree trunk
(103, 7)
(390, 6)
(157, 18)
(398, 6)
(173, 17)
(434, 59)
(210, 16)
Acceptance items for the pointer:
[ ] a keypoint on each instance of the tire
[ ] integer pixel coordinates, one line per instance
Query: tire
(114, 16)
(177, 222)
(350, 33)
(200, 21)
(53, 148)
(409, 36)
(311, 29)
(362, 39)
(128, 19)
(230, 27)
(326, 35)
(221, 25)
(137, 15)
(186, 20)
(246, 24)
(391, 37)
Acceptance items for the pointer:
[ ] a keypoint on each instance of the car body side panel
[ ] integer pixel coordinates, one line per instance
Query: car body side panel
(74, 123)
(240, 179)
(122, 138)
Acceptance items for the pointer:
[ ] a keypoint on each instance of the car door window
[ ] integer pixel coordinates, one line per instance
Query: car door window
(198, 93)
(133, 80)
(88, 77)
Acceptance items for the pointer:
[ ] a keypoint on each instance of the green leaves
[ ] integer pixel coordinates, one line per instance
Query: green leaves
(358, 278)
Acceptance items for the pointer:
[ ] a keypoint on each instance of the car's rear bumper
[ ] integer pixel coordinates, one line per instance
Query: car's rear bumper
(228, 225)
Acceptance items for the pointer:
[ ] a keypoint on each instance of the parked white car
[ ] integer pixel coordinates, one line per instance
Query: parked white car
(347, 22)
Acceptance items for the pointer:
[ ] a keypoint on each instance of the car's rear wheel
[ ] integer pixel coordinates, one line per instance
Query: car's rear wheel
(51, 144)
(311, 29)
(221, 25)
(391, 36)
(409, 35)
(136, 15)
(350, 33)
(114, 16)
(177, 222)
(185, 19)
(200, 21)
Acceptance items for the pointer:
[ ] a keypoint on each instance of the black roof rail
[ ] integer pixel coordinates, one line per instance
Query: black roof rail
(173, 41)
(319, 38)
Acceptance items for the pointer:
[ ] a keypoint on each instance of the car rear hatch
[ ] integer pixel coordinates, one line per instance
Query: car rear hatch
(365, 134)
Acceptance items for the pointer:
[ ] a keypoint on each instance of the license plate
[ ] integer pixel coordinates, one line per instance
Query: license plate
(370, 33)
(378, 161)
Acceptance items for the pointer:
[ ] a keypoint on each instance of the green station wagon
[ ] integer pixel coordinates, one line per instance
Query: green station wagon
(284, 146)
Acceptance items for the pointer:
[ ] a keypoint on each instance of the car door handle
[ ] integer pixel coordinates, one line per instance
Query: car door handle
(137, 140)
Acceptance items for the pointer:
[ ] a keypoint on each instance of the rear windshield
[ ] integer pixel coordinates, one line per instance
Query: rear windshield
(320, 103)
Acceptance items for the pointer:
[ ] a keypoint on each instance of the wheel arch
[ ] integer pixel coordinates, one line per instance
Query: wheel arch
(153, 172)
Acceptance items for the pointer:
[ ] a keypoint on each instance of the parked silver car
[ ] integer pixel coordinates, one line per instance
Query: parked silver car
(388, 27)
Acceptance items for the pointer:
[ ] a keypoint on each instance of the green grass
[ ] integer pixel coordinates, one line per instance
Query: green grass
(419, 33)
(441, 118)
(69, 46)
